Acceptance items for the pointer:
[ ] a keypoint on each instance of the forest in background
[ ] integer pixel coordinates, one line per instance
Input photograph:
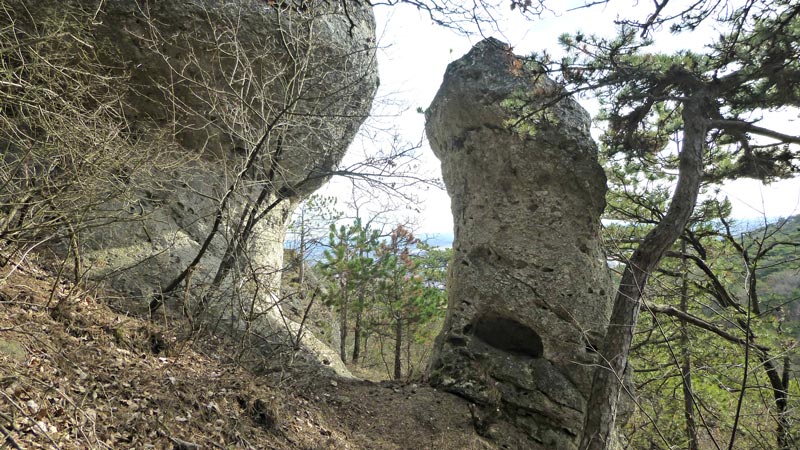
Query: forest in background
(700, 362)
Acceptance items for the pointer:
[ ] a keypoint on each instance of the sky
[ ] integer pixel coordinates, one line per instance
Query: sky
(414, 54)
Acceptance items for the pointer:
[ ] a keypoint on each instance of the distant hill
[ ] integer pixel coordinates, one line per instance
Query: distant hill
(778, 273)
(444, 240)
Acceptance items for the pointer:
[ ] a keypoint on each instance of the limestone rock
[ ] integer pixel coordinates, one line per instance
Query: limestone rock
(212, 81)
(222, 72)
(529, 288)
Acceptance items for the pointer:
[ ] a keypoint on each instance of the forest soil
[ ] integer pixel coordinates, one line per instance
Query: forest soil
(78, 373)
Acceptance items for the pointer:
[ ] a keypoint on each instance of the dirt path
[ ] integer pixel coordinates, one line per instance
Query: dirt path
(82, 376)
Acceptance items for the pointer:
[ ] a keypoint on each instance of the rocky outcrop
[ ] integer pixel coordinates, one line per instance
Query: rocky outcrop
(529, 288)
(255, 102)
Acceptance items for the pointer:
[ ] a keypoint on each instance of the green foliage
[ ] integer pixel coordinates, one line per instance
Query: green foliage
(753, 65)
(411, 296)
(390, 288)
(349, 262)
(776, 247)
(739, 283)
(708, 102)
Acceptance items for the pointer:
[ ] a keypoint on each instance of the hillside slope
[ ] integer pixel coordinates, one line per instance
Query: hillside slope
(75, 374)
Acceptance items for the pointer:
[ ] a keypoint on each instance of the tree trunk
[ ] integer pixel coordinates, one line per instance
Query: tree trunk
(343, 329)
(251, 216)
(398, 348)
(252, 158)
(357, 332)
(364, 353)
(785, 440)
(301, 260)
(601, 406)
(409, 334)
(686, 358)
(779, 383)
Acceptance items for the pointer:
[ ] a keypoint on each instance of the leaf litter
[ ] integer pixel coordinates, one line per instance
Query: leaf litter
(76, 374)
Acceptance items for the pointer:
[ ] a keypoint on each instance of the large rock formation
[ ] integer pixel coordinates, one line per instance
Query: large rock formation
(529, 289)
(256, 103)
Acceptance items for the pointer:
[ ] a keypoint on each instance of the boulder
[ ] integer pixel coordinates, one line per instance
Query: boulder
(529, 287)
(254, 104)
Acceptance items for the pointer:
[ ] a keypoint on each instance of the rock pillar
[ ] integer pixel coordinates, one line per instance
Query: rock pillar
(529, 288)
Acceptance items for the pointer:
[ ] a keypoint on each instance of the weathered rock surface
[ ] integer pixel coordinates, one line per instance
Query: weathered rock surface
(274, 91)
(529, 289)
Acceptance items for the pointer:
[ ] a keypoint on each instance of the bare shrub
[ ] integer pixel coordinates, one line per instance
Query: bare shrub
(68, 153)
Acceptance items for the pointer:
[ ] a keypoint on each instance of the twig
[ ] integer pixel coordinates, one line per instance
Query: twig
(8, 440)
(183, 445)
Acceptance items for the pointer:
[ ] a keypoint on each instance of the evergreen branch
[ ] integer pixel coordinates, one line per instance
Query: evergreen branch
(700, 323)
(740, 126)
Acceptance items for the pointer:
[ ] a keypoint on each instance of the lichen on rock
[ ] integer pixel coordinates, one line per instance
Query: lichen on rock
(529, 287)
